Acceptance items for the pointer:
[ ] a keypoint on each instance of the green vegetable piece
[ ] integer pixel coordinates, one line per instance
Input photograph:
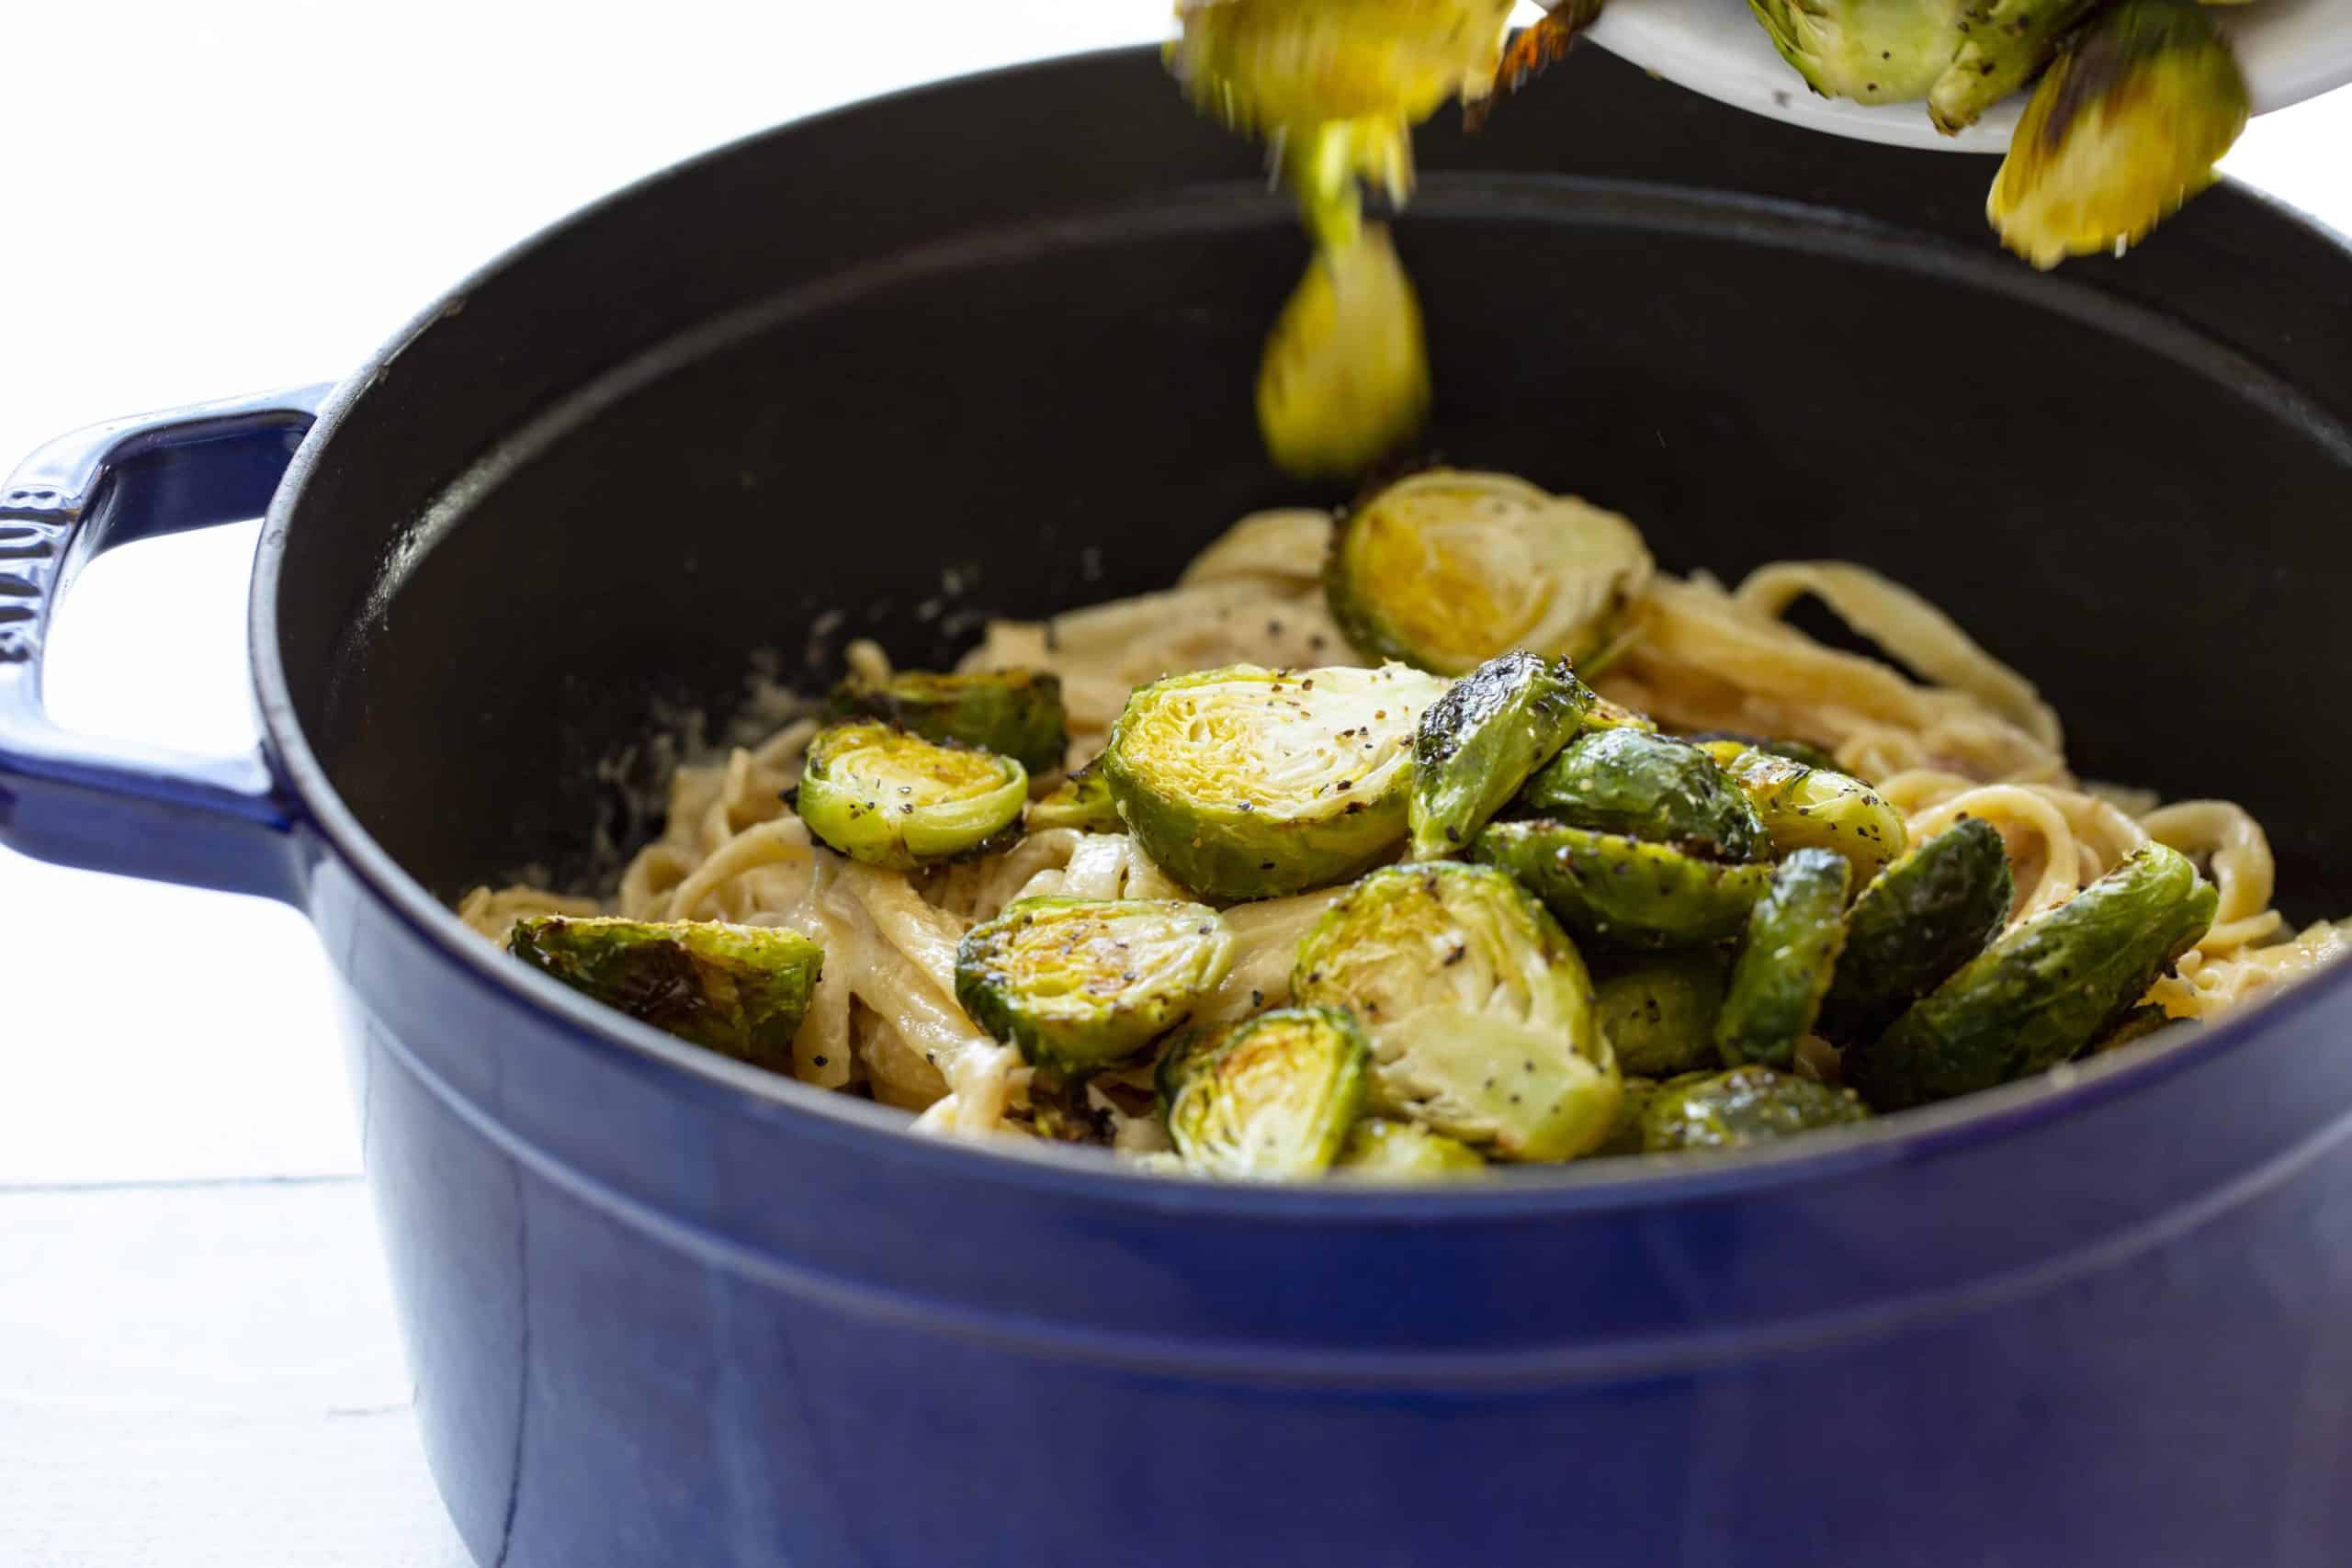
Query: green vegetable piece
(1605, 715)
(1745, 1106)
(1623, 891)
(1479, 742)
(1648, 786)
(1014, 713)
(1919, 919)
(1269, 65)
(1725, 745)
(1478, 1004)
(1344, 381)
(888, 798)
(1874, 52)
(1247, 782)
(1794, 934)
(1380, 1150)
(740, 990)
(1081, 983)
(2004, 44)
(1659, 1012)
(2126, 126)
(1081, 801)
(1820, 808)
(1626, 1133)
(1446, 569)
(1271, 1098)
(2137, 1024)
(2045, 990)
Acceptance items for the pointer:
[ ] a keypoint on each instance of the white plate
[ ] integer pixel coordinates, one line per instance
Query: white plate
(2290, 50)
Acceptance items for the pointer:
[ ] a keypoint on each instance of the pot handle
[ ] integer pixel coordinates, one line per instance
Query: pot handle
(119, 806)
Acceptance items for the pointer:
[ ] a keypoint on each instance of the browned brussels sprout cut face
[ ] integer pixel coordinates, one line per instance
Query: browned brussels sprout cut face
(1014, 713)
(887, 797)
(1081, 983)
(1270, 1098)
(740, 990)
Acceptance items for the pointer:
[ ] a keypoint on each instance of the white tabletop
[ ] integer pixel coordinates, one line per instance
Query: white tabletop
(197, 1356)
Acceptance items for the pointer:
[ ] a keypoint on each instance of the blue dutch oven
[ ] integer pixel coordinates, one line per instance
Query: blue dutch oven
(665, 1309)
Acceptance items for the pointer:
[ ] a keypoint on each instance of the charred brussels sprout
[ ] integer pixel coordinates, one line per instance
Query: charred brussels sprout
(1648, 786)
(737, 990)
(2043, 991)
(1246, 782)
(2004, 44)
(1081, 801)
(1014, 713)
(1345, 378)
(1818, 808)
(1270, 1098)
(1623, 891)
(1745, 1106)
(1380, 1150)
(1659, 1012)
(2125, 127)
(1919, 919)
(1081, 983)
(1478, 1004)
(1479, 743)
(1794, 934)
(881, 795)
(1446, 569)
(1874, 52)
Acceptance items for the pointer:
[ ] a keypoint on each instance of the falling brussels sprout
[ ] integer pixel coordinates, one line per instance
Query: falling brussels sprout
(1874, 52)
(1794, 935)
(1477, 1005)
(885, 798)
(1380, 1150)
(1659, 1012)
(1725, 745)
(1479, 742)
(1081, 983)
(1014, 713)
(1247, 782)
(1622, 891)
(1648, 786)
(1743, 1107)
(740, 990)
(1081, 801)
(1345, 379)
(1270, 1098)
(1920, 918)
(1280, 66)
(1819, 808)
(2004, 44)
(2045, 990)
(1447, 569)
(2127, 125)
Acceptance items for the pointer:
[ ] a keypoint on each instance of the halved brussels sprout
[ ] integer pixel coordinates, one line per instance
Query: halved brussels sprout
(1271, 1098)
(1266, 65)
(1478, 1004)
(1345, 378)
(1014, 713)
(1633, 1103)
(1819, 808)
(1621, 890)
(1081, 983)
(1479, 742)
(888, 798)
(1725, 745)
(740, 990)
(1794, 935)
(1081, 801)
(1605, 715)
(2137, 1024)
(2004, 44)
(1247, 782)
(2127, 125)
(2043, 991)
(1648, 786)
(1447, 569)
(1745, 1106)
(1380, 1150)
(1874, 52)
(1057, 1109)
(1659, 1012)
(1919, 919)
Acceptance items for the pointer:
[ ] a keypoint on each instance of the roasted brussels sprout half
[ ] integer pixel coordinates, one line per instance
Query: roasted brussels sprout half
(1919, 919)
(1819, 808)
(881, 795)
(1659, 1010)
(2127, 125)
(2045, 990)
(1725, 745)
(1745, 1106)
(1605, 715)
(1271, 1098)
(1874, 52)
(1648, 786)
(1081, 983)
(1794, 935)
(1247, 782)
(1478, 1004)
(1623, 891)
(2004, 44)
(1278, 65)
(1447, 569)
(1014, 713)
(1479, 742)
(1081, 801)
(740, 990)
(1380, 1150)
(1345, 378)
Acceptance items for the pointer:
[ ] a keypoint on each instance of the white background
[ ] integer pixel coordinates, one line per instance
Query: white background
(209, 199)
